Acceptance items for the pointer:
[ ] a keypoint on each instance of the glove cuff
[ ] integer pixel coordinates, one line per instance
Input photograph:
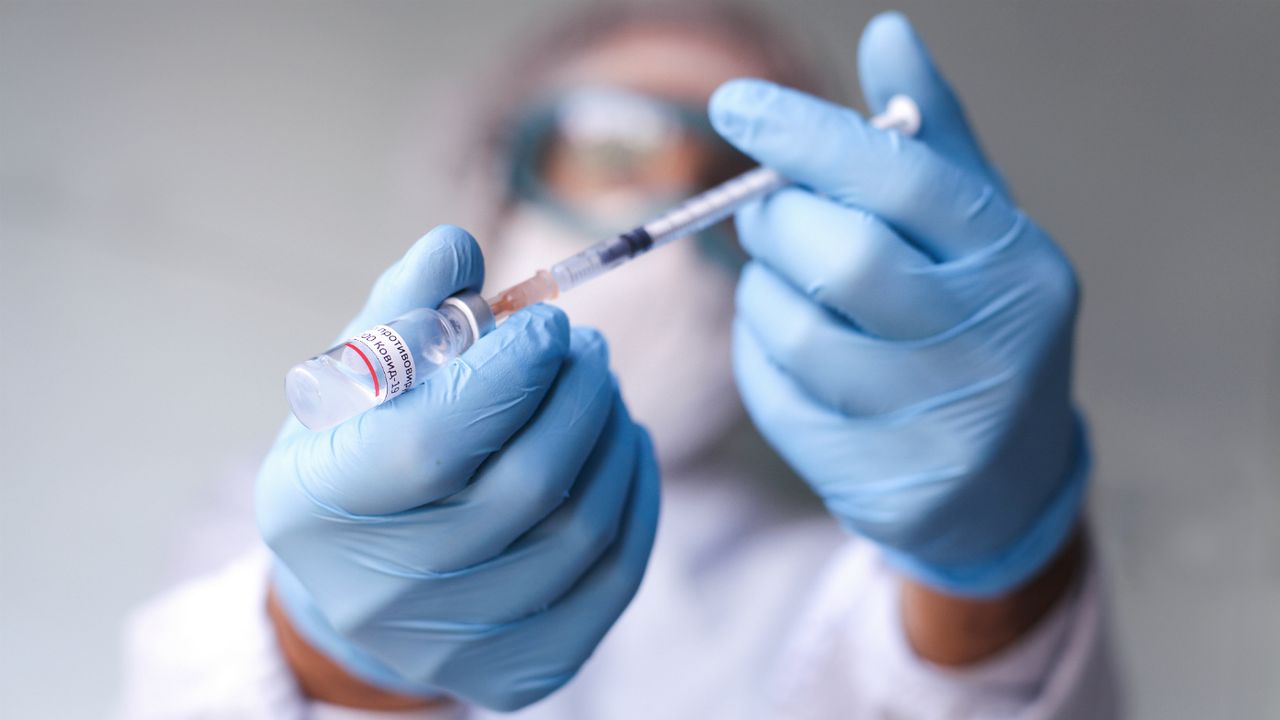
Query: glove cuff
(1020, 561)
(321, 635)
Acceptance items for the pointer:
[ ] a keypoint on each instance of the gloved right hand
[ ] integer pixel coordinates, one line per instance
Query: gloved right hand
(478, 535)
(904, 332)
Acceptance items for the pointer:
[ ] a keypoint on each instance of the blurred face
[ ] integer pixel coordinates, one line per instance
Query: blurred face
(627, 130)
(623, 134)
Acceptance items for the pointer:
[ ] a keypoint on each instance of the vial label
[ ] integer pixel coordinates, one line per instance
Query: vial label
(382, 346)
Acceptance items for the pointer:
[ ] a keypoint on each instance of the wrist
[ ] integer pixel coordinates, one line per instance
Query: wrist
(322, 679)
(293, 610)
(953, 630)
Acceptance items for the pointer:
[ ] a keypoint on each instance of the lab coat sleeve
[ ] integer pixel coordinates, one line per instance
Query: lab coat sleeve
(207, 650)
(849, 658)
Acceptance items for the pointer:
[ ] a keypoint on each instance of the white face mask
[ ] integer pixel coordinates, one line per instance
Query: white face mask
(667, 318)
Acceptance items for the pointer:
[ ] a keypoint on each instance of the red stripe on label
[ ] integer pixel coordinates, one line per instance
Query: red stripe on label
(372, 373)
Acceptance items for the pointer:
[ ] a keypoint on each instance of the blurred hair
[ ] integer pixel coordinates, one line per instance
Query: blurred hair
(585, 28)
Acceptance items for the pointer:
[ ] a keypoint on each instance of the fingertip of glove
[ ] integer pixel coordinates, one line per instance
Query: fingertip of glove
(754, 274)
(644, 441)
(743, 92)
(889, 21)
(553, 319)
(449, 238)
(889, 29)
(446, 254)
(587, 342)
(749, 362)
(546, 325)
(449, 230)
(734, 104)
(893, 59)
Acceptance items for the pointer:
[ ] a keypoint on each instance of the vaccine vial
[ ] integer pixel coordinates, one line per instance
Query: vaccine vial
(384, 361)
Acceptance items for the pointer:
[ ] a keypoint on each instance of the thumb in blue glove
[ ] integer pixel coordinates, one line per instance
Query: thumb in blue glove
(903, 333)
(475, 537)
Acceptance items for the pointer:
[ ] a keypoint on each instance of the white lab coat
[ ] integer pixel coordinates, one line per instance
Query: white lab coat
(752, 607)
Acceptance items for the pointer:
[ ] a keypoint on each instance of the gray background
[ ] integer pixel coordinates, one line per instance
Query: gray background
(193, 197)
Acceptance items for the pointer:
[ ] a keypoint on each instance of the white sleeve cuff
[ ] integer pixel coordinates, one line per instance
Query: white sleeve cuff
(850, 657)
(207, 649)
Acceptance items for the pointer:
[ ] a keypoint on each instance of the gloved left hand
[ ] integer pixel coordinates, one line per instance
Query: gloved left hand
(903, 335)
(478, 535)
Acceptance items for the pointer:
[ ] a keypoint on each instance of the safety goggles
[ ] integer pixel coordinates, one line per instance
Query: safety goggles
(603, 151)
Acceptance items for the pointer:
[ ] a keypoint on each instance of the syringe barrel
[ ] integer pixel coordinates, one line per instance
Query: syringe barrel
(697, 213)
(710, 207)
(595, 260)
(382, 362)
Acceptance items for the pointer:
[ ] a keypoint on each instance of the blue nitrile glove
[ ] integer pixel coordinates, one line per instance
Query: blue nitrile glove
(903, 334)
(476, 536)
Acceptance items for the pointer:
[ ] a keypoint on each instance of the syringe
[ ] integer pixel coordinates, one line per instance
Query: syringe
(693, 215)
(386, 360)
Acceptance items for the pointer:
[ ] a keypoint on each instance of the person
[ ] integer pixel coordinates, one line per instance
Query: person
(897, 331)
